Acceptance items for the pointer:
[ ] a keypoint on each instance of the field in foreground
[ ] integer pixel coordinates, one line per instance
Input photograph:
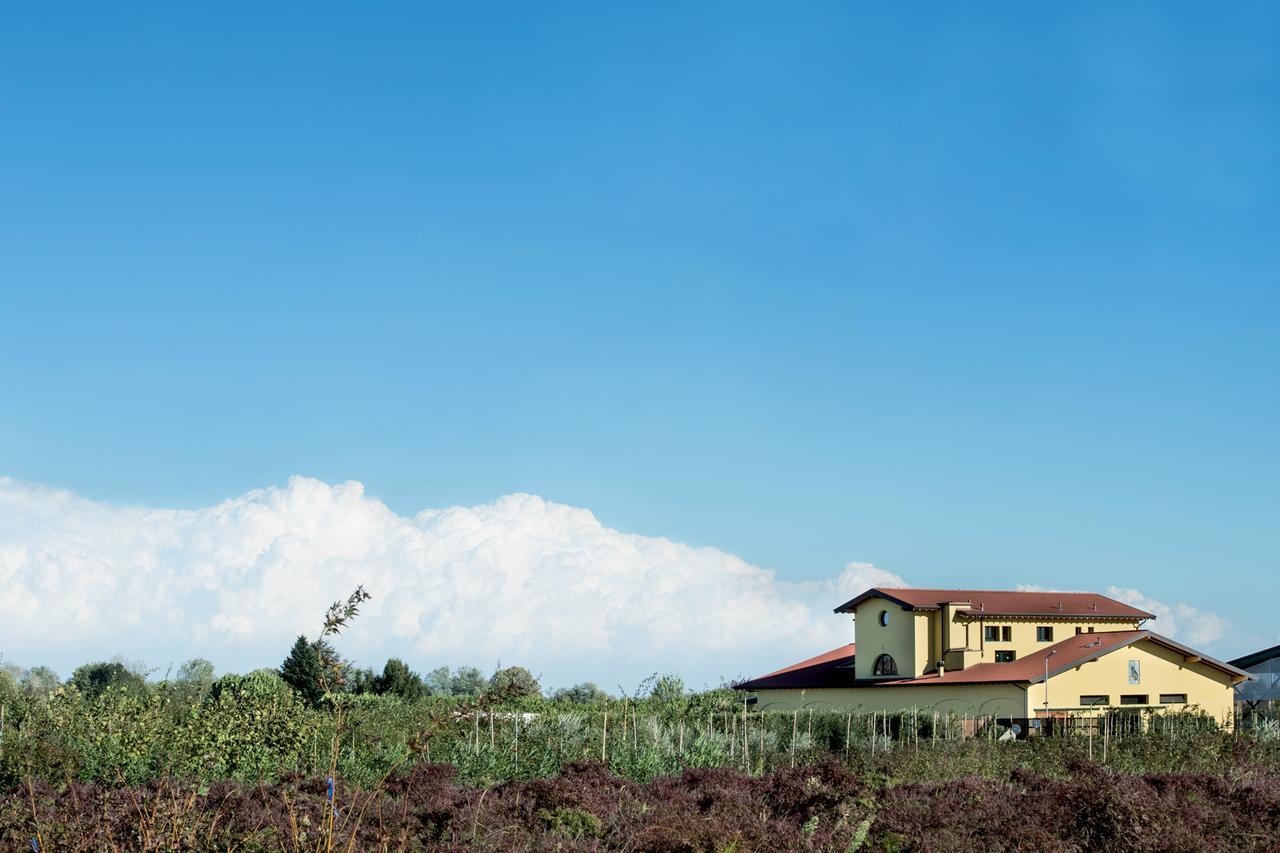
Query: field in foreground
(246, 766)
(822, 807)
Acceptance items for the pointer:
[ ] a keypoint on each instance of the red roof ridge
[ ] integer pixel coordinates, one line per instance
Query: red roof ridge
(989, 591)
(1011, 602)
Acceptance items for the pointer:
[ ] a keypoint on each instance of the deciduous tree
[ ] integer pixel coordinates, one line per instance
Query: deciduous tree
(40, 681)
(94, 679)
(586, 693)
(514, 681)
(467, 681)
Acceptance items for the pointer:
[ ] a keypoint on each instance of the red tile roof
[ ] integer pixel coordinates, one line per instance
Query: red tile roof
(835, 668)
(980, 602)
(1062, 656)
(829, 669)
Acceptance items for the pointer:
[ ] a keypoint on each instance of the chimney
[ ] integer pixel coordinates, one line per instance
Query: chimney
(942, 669)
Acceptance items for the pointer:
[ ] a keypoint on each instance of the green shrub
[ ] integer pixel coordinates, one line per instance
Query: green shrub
(571, 822)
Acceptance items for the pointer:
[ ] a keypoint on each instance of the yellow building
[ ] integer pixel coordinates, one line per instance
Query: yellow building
(1014, 655)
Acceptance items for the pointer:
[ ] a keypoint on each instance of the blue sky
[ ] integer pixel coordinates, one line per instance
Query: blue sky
(985, 295)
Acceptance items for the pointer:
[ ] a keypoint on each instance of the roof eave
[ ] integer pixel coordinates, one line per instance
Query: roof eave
(1057, 614)
(1203, 658)
(1237, 675)
(851, 604)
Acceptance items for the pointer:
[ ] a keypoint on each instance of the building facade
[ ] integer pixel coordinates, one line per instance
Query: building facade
(1015, 655)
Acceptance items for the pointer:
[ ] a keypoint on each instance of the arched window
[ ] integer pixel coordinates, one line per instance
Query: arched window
(885, 665)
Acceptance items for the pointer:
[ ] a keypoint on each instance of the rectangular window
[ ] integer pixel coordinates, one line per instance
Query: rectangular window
(1079, 630)
(1173, 698)
(1006, 634)
(1004, 656)
(1090, 630)
(1133, 699)
(1044, 634)
(1094, 700)
(991, 633)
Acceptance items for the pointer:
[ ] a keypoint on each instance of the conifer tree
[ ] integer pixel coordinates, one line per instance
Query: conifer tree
(399, 680)
(301, 670)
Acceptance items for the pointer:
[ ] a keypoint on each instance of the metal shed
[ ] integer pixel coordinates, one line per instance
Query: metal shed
(1260, 693)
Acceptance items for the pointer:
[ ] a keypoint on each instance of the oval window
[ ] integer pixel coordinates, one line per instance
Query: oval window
(884, 618)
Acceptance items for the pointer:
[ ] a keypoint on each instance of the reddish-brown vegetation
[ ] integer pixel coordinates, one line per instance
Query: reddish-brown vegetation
(824, 807)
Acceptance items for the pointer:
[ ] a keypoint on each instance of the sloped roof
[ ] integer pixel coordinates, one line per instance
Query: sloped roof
(834, 670)
(829, 669)
(1246, 661)
(996, 603)
(1062, 656)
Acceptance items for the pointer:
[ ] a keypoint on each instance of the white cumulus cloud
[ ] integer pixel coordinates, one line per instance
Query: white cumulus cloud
(521, 580)
(1183, 622)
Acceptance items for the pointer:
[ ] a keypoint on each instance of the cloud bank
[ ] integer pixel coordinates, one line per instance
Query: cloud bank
(521, 580)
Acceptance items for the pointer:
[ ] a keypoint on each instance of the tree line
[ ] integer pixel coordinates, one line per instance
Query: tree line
(314, 670)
